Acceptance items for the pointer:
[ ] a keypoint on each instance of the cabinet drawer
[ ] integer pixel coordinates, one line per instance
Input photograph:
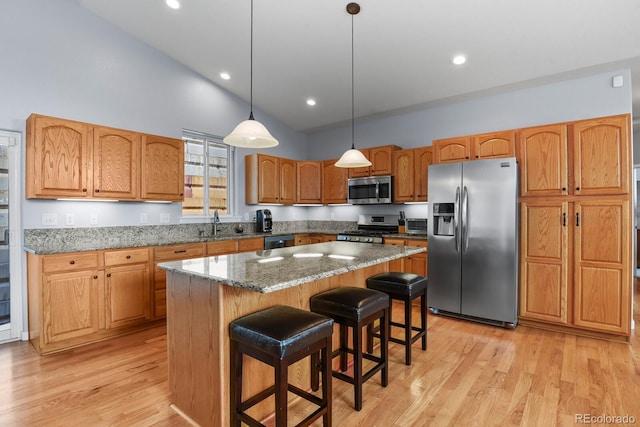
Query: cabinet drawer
(221, 248)
(176, 252)
(160, 303)
(246, 245)
(127, 256)
(74, 261)
(419, 243)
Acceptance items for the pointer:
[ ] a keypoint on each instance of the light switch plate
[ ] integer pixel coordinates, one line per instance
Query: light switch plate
(93, 220)
(144, 218)
(165, 217)
(69, 219)
(617, 81)
(49, 219)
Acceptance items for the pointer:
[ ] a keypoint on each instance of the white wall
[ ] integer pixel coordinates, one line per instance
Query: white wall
(61, 60)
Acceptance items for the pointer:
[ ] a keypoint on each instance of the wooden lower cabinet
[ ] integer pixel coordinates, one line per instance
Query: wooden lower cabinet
(575, 268)
(416, 264)
(127, 295)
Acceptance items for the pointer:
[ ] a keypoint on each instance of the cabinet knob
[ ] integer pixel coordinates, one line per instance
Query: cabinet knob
(84, 190)
(128, 256)
(95, 277)
(72, 262)
(108, 275)
(578, 188)
(97, 190)
(564, 188)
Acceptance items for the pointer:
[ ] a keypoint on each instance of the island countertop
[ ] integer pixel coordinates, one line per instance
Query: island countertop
(276, 269)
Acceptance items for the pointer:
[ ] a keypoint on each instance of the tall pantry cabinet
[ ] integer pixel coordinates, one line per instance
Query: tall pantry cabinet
(576, 228)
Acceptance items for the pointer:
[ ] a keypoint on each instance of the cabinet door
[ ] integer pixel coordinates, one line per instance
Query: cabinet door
(542, 156)
(361, 172)
(423, 157)
(127, 295)
(308, 179)
(287, 181)
(71, 304)
(494, 145)
(544, 260)
(162, 168)
(248, 245)
(302, 239)
(267, 176)
(222, 248)
(334, 182)
(58, 158)
(404, 178)
(601, 156)
(382, 160)
(418, 264)
(451, 149)
(602, 241)
(116, 163)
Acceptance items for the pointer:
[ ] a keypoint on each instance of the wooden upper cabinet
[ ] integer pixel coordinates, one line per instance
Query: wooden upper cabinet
(423, 157)
(162, 168)
(334, 182)
(269, 179)
(381, 159)
(542, 157)
(308, 182)
(404, 178)
(59, 154)
(494, 145)
(601, 156)
(116, 163)
(451, 149)
(361, 172)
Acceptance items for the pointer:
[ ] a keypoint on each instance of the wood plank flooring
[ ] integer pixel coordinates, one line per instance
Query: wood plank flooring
(470, 375)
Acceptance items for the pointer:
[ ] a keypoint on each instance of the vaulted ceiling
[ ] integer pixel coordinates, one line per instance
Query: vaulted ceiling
(402, 48)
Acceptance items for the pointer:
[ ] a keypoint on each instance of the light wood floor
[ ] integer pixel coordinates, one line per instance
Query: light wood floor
(471, 374)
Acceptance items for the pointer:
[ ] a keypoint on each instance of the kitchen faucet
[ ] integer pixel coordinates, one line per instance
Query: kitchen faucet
(216, 221)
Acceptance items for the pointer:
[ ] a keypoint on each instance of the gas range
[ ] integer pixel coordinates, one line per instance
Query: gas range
(371, 227)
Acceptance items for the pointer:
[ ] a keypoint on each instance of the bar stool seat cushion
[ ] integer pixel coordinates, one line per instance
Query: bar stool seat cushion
(281, 330)
(398, 283)
(349, 303)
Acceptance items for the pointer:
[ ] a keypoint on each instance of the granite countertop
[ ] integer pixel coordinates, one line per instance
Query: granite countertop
(276, 269)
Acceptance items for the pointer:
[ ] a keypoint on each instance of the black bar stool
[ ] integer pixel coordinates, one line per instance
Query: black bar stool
(280, 336)
(355, 307)
(404, 287)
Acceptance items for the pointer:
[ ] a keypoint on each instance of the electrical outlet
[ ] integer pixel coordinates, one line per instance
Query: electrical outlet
(49, 219)
(69, 219)
(164, 217)
(246, 216)
(144, 218)
(93, 219)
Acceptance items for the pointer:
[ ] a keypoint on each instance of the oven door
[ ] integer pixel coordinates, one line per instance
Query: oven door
(371, 190)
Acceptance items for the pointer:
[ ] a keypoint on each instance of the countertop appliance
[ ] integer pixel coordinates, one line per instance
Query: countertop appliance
(371, 227)
(272, 242)
(369, 190)
(264, 221)
(473, 240)
(416, 225)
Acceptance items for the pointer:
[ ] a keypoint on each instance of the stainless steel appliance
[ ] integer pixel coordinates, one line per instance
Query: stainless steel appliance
(416, 226)
(264, 221)
(272, 242)
(473, 240)
(370, 190)
(371, 227)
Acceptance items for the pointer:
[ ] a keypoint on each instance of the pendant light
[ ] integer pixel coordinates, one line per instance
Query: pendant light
(352, 158)
(251, 133)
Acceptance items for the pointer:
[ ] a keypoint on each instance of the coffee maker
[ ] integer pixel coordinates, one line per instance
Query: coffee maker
(263, 221)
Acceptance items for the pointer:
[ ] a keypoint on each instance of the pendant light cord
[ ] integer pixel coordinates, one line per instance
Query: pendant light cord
(251, 68)
(353, 126)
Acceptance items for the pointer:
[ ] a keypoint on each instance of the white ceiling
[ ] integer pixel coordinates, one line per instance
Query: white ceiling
(302, 48)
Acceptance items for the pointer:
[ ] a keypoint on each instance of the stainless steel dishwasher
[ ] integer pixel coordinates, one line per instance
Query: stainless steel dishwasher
(272, 242)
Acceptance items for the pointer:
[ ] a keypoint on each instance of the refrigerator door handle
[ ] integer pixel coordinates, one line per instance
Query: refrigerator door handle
(465, 219)
(456, 212)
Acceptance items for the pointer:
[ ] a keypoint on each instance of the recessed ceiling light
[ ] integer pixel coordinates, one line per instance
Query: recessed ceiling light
(225, 76)
(173, 4)
(311, 102)
(459, 59)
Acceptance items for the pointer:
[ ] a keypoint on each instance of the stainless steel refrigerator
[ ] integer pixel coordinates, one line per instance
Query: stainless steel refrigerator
(473, 240)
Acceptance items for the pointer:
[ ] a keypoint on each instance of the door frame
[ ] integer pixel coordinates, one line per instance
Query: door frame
(15, 331)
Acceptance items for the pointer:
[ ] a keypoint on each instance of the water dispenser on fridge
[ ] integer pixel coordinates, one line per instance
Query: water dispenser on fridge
(443, 224)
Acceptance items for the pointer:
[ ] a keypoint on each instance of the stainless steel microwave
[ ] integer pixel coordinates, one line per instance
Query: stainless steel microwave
(369, 190)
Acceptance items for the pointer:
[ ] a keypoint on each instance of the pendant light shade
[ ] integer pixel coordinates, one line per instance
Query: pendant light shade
(352, 158)
(251, 133)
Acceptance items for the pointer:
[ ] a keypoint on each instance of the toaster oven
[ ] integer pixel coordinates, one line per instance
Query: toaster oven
(416, 226)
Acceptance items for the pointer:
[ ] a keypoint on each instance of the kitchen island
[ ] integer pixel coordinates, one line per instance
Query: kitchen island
(205, 294)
